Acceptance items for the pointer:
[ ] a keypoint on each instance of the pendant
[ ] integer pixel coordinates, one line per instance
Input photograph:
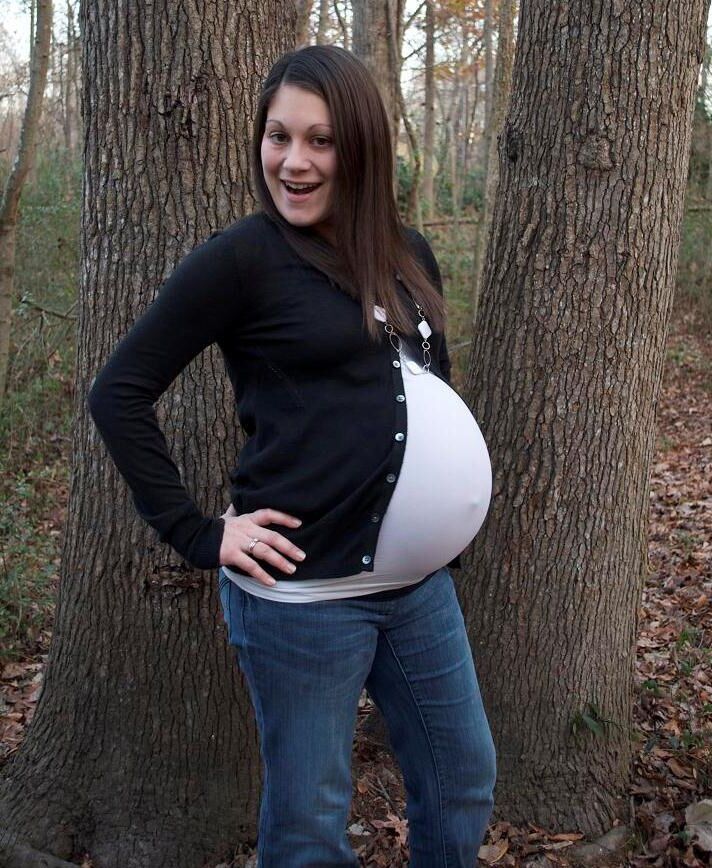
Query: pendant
(379, 313)
(424, 329)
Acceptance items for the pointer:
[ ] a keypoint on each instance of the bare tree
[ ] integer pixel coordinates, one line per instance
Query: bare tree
(343, 25)
(70, 83)
(501, 84)
(323, 25)
(488, 27)
(428, 188)
(564, 377)
(16, 179)
(143, 750)
(377, 38)
(304, 8)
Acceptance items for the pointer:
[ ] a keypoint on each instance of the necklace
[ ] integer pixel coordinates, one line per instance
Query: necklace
(425, 332)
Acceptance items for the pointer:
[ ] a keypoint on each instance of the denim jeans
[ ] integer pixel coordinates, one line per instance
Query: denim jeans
(305, 665)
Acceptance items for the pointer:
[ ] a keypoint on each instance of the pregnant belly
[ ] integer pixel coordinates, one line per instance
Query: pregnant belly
(443, 490)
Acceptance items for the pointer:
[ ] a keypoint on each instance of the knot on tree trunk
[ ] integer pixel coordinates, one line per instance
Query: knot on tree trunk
(595, 153)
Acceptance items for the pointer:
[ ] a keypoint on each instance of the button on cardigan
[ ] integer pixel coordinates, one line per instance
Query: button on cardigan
(320, 402)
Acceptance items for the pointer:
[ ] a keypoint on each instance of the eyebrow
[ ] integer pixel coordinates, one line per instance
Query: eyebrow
(275, 121)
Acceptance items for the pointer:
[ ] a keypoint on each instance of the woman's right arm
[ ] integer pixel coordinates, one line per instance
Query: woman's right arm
(198, 304)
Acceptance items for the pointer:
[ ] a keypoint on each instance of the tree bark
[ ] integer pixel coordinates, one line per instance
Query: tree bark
(16, 179)
(564, 378)
(143, 749)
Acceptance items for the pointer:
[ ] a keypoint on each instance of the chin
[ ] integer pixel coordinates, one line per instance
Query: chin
(302, 221)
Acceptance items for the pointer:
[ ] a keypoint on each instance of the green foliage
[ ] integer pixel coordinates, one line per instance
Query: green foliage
(694, 274)
(404, 177)
(689, 635)
(651, 686)
(46, 278)
(35, 421)
(587, 720)
(471, 194)
(592, 721)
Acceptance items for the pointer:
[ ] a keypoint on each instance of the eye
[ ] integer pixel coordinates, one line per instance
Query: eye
(272, 137)
(322, 141)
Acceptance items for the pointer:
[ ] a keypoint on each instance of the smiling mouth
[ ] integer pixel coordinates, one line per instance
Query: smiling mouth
(300, 189)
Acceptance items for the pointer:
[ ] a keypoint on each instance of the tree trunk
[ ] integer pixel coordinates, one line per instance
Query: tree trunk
(502, 85)
(323, 26)
(304, 8)
(489, 77)
(143, 749)
(16, 179)
(343, 26)
(70, 84)
(564, 378)
(428, 186)
(413, 215)
(377, 42)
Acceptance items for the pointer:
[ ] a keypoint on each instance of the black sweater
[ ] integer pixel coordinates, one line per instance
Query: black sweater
(316, 397)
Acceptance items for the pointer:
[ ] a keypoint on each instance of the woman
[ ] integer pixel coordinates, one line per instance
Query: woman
(362, 478)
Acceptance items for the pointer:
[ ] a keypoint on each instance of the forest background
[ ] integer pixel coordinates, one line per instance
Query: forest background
(445, 191)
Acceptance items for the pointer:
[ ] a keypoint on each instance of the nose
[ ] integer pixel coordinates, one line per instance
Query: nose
(296, 158)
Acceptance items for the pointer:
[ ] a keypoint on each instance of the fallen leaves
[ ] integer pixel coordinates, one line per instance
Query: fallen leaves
(699, 823)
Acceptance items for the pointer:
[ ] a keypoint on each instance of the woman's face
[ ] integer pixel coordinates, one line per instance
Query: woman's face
(298, 147)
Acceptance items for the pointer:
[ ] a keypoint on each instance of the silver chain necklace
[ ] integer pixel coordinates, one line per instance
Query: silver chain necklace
(423, 328)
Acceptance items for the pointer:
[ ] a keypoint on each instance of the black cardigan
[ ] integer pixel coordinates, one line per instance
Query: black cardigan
(317, 398)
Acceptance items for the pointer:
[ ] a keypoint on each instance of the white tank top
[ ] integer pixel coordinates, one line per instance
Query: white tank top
(446, 465)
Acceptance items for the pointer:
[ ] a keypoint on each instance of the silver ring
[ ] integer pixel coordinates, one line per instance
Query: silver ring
(253, 543)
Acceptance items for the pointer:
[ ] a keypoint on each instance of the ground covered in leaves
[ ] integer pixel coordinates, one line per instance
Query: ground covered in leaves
(671, 820)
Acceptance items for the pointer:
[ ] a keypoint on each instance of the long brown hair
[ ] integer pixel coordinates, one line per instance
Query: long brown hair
(371, 244)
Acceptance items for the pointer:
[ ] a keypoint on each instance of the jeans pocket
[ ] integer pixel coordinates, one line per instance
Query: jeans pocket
(231, 601)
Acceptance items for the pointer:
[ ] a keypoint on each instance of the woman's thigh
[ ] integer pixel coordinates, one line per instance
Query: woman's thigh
(305, 665)
(424, 681)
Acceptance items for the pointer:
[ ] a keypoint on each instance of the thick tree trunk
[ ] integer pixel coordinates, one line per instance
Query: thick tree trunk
(18, 175)
(564, 378)
(143, 749)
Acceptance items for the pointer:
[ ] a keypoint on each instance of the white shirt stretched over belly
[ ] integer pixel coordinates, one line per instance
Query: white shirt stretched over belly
(446, 465)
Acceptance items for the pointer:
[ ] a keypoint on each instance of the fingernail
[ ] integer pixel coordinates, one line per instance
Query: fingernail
(291, 568)
(272, 582)
(298, 520)
(301, 555)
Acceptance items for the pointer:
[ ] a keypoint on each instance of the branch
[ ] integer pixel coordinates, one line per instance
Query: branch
(58, 313)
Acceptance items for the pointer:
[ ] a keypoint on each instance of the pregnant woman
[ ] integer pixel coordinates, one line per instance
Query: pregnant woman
(362, 478)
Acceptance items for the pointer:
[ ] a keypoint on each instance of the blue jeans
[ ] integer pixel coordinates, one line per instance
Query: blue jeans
(306, 664)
